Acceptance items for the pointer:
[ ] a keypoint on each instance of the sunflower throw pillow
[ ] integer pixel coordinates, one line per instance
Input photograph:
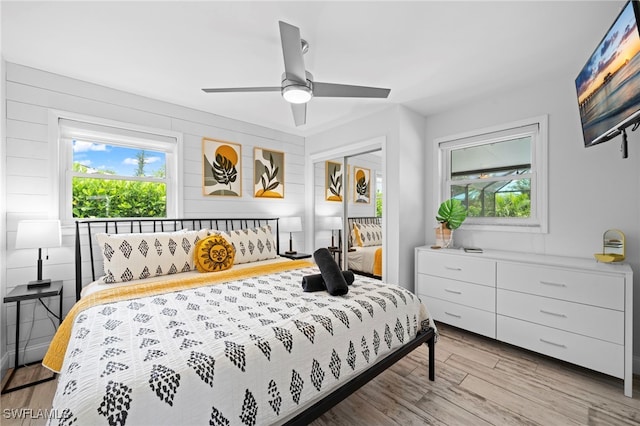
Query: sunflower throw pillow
(214, 253)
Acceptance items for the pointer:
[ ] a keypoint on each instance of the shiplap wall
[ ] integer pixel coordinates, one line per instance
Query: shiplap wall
(31, 94)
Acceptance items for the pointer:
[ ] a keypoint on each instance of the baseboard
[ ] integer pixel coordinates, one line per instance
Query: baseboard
(4, 365)
(33, 353)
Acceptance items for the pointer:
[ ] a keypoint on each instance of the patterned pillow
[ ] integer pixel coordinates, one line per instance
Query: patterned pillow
(214, 253)
(252, 245)
(368, 234)
(129, 257)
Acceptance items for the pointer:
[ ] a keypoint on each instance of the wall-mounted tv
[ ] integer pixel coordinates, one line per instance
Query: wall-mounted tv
(608, 86)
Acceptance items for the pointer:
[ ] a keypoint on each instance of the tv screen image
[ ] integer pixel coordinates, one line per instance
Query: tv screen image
(608, 86)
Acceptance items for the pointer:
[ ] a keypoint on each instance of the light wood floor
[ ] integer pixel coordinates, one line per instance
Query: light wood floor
(478, 382)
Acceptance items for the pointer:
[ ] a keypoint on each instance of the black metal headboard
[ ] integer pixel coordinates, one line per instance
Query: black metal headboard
(85, 230)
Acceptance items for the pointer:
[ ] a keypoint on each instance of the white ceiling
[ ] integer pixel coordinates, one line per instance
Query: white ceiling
(433, 55)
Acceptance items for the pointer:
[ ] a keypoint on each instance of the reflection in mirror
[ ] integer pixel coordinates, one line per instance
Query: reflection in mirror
(364, 227)
(329, 190)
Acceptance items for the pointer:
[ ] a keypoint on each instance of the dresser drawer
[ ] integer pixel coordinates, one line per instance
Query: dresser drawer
(590, 321)
(461, 316)
(592, 288)
(468, 294)
(457, 267)
(596, 354)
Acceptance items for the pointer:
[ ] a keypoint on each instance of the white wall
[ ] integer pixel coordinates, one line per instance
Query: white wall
(590, 190)
(404, 172)
(31, 93)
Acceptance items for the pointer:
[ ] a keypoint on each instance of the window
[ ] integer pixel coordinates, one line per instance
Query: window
(111, 171)
(499, 174)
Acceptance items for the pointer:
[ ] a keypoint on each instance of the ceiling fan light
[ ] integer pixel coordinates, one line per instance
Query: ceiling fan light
(297, 94)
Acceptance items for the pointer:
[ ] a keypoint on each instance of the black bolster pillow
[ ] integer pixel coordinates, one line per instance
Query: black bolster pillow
(331, 273)
(315, 282)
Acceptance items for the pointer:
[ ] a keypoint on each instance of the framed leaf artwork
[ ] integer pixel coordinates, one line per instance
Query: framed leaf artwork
(362, 185)
(221, 168)
(333, 181)
(268, 173)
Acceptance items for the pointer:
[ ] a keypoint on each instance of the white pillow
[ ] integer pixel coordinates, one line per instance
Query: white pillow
(253, 244)
(129, 257)
(370, 234)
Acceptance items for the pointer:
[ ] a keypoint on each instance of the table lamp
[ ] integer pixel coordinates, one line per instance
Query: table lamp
(43, 233)
(333, 223)
(290, 225)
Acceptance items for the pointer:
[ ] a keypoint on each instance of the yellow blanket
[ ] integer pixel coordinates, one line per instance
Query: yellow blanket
(377, 263)
(55, 354)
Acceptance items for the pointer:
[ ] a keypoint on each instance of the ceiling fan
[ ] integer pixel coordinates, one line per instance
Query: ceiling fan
(297, 85)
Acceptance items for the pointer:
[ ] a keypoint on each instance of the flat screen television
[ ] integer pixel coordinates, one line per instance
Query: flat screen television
(608, 86)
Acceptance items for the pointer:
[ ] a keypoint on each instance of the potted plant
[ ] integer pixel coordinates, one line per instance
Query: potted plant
(450, 215)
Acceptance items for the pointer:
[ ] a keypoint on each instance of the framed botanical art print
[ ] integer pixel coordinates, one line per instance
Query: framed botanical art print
(221, 168)
(361, 185)
(333, 181)
(268, 173)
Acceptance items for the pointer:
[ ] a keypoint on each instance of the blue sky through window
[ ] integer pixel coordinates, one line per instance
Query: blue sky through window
(100, 157)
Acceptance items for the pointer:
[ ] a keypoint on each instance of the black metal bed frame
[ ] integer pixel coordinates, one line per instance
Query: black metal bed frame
(121, 226)
(165, 225)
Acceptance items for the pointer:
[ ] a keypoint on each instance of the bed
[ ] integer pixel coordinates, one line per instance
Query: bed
(243, 345)
(365, 246)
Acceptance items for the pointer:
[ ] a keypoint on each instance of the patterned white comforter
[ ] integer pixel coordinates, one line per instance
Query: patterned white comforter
(250, 352)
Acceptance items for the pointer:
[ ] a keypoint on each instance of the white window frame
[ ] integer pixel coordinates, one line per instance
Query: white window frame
(538, 220)
(169, 142)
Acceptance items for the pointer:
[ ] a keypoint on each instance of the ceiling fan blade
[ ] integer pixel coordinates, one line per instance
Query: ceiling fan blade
(331, 90)
(292, 52)
(299, 113)
(243, 89)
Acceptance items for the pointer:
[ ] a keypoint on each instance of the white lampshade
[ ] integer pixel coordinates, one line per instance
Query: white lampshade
(291, 224)
(333, 222)
(43, 233)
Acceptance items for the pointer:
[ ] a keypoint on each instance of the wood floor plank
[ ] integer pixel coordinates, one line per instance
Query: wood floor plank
(479, 381)
(521, 405)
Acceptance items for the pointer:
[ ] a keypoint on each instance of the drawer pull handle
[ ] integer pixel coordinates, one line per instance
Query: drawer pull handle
(553, 284)
(553, 343)
(452, 268)
(452, 291)
(555, 314)
(453, 315)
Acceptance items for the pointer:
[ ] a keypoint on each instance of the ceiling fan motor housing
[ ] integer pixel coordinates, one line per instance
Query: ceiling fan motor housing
(296, 92)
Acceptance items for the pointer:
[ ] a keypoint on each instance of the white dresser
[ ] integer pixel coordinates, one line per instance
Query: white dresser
(573, 309)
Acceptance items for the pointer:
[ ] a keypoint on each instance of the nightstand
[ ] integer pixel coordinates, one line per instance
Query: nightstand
(19, 294)
(295, 256)
(337, 254)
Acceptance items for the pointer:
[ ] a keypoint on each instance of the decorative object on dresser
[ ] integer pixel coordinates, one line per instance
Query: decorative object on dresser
(613, 247)
(451, 214)
(291, 224)
(574, 309)
(43, 233)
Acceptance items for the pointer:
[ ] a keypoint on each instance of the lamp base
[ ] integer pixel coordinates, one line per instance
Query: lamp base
(39, 283)
(290, 252)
